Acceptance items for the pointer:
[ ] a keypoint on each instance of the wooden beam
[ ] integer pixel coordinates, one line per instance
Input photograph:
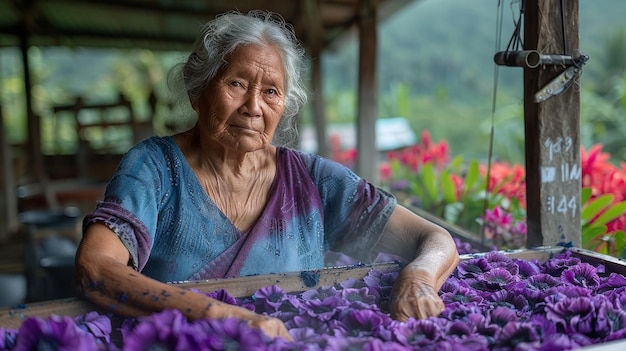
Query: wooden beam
(552, 129)
(367, 155)
(315, 39)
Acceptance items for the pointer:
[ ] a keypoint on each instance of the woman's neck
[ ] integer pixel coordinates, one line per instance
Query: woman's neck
(238, 184)
(206, 155)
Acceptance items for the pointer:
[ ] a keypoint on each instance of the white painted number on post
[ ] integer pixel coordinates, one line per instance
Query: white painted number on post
(564, 205)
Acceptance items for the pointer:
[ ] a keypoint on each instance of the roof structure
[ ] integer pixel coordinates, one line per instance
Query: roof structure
(172, 25)
(164, 24)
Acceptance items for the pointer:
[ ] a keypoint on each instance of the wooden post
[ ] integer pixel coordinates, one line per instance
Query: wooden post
(315, 36)
(367, 155)
(552, 129)
(33, 152)
(9, 210)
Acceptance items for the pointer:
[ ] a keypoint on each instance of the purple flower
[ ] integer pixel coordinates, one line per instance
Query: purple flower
(7, 339)
(167, 329)
(618, 297)
(528, 268)
(464, 247)
(416, 332)
(560, 262)
(55, 333)
(451, 285)
(460, 328)
(618, 335)
(381, 279)
(558, 342)
(473, 267)
(381, 282)
(358, 323)
(536, 288)
(97, 324)
(324, 310)
(304, 321)
(320, 293)
(573, 314)
(542, 324)
(288, 309)
(497, 279)
(519, 336)
(223, 295)
(307, 335)
(483, 325)
(474, 342)
(582, 274)
(561, 292)
(461, 294)
(609, 319)
(508, 299)
(501, 316)
(360, 298)
(612, 282)
(229, 334)
(457, 310)
(270, 298)
(361, 344)
(492, 302)
(497, 258)
(352, 283)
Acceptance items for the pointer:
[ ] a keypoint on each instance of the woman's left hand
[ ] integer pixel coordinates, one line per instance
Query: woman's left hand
(413, 295)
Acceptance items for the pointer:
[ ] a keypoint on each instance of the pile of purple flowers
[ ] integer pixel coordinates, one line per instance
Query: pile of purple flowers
(493, 302)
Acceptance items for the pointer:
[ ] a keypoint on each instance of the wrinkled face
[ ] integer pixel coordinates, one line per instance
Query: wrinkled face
(241, 107)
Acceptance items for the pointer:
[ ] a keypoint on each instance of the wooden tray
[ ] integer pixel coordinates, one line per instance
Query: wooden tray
(297, 281)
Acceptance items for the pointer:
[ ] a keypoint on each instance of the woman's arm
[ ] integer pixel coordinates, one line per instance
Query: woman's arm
(432, 256)
(104, 277)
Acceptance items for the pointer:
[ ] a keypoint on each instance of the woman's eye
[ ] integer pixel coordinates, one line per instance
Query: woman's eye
(236, 84)
(271, 91)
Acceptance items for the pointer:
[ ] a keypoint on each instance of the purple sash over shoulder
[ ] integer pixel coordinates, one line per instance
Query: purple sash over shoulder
(291, 197)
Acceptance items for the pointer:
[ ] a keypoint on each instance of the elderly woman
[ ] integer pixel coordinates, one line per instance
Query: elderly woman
(221, 200)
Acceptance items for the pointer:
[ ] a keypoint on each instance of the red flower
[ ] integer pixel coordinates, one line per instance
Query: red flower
(599, 174)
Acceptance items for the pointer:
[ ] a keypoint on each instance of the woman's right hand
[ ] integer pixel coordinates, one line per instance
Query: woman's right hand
(271, 326)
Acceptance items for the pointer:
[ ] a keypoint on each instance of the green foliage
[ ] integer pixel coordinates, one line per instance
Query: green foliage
(595, 214)
(460, 203)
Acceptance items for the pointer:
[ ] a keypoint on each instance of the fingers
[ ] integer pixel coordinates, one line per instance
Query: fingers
(273, 327)
(420, 308)
(413, 298)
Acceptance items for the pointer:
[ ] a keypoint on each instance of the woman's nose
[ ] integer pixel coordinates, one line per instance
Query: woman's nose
(252, 104)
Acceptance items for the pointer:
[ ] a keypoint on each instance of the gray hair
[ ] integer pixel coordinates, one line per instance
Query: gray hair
(229, 31)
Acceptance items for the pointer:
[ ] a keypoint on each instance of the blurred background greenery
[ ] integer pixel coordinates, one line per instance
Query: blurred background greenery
(435, 67)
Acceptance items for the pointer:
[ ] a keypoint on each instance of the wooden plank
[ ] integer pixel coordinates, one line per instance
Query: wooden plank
(611, 263)
(367, 159)
(539, 253)
(238, 287)
(552, 130)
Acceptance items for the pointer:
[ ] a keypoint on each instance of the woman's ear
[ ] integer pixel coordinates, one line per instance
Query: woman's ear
(194, 104)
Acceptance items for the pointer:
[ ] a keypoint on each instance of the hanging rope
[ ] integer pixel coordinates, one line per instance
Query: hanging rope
(565, 50)
(515, 43)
